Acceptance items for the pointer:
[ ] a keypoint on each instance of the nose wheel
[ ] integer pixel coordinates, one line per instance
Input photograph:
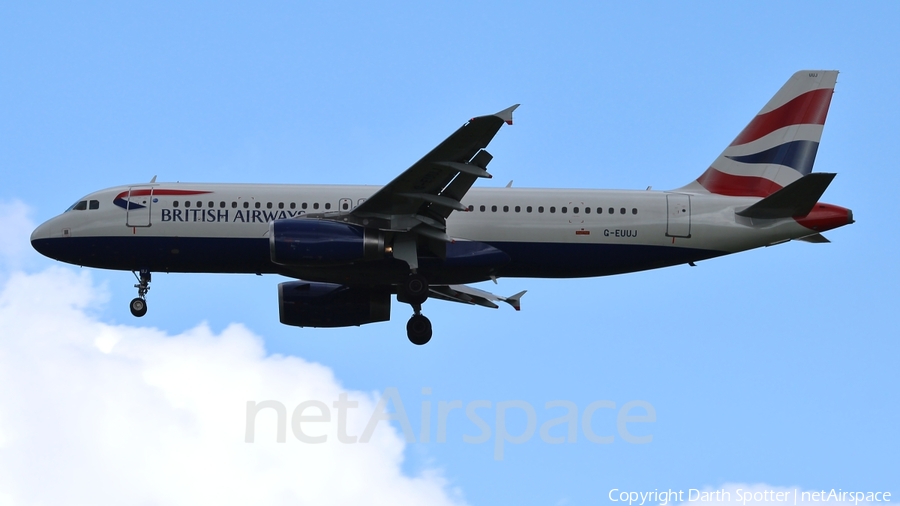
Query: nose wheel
(138, 305)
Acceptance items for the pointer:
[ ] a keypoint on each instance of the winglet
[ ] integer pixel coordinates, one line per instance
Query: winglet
(515, 300)
(506, 114)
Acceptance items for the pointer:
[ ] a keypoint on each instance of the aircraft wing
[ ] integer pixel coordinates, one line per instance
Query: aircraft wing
(468, 295)
(426, 193)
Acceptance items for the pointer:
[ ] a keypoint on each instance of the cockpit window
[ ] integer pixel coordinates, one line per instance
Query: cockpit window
(83, 205)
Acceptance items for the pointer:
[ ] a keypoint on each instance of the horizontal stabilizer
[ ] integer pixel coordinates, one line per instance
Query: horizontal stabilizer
(795, 199)
(814, 238)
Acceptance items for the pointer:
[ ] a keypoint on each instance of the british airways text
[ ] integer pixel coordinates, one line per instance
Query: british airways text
(226, 216)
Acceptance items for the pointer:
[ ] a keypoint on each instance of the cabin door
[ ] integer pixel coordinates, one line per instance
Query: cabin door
(679, 215)
(138, 206)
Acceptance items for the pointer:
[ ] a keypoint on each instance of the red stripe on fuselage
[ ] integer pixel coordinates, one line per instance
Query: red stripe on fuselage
(810, 108)
(737, 186)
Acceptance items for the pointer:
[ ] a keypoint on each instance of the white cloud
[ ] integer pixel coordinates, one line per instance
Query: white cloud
(92, 413)
(16, 227)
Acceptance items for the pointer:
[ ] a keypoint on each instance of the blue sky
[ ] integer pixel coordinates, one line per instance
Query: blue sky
(774, 367)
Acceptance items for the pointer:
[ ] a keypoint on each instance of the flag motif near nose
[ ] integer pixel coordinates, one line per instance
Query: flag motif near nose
(122, 201)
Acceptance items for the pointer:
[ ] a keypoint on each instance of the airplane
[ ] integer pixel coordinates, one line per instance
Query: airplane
(428, 233)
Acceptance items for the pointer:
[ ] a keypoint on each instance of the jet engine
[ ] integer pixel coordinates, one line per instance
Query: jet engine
(305, 304)
(313, 242)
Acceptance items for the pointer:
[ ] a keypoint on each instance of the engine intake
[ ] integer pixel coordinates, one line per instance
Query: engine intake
(314, 241)
(305, 304)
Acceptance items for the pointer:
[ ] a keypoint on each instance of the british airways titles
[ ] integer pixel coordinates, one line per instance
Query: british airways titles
(226, 215)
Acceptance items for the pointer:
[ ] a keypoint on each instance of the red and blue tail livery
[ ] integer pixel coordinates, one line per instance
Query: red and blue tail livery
(779, 145)
(349, 250)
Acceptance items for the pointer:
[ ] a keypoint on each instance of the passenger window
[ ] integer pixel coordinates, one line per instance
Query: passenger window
(345, 206)
(528, 209)
(599, 210)
(328, 205)
(187, 203)
(552, 209)
(505, 209)
(563, 210)
(281, 205)
(293, 205)
(518, 209)
(633, 210)
(471, 208)
(315, 205)
(587, 210)
(175, 204)
(612, 210)
(540, 209)
(493, 209)
(199, 204)
(222, 204)
(304, 205)
(94, 204)
(211, 204)
(574, 210)
(622, 211)
(482, 208)
(233, 204)
(246, 205)
(268, 205)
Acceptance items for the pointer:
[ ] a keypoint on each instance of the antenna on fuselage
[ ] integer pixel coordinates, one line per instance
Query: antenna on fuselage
(154, 179)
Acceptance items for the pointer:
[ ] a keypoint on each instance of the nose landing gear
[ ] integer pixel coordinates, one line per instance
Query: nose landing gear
(138, 305)
(414, 291)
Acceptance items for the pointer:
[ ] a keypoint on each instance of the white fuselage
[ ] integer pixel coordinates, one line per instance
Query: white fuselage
(547, 232)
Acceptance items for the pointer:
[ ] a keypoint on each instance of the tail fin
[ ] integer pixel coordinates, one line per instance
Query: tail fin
(779, 145)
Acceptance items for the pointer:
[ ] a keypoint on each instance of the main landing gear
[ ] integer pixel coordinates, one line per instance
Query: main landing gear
(138, 305)
(414, 291)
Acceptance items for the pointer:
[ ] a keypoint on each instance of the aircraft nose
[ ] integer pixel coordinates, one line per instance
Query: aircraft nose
(41, 237)
(39, 233)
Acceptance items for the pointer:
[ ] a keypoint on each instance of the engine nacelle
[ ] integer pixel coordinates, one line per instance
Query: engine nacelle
(305, 304)
(314, 241)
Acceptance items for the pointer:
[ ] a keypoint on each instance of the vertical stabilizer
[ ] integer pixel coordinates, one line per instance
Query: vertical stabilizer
(779, 145)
